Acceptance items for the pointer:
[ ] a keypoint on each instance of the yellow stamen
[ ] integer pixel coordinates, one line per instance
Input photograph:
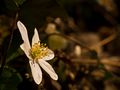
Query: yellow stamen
(38, 51)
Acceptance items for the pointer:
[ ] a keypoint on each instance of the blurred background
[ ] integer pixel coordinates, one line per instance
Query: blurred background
(84, 35)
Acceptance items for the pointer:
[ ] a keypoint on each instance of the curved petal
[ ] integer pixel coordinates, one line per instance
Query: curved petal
(49, 56)
(35, 38)
(23, 32)
(48, 68)
(26, 49)
(36, 72)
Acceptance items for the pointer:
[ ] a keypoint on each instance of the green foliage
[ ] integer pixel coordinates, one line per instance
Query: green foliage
(10, 5)
(108, 75)
(19, 2)
(9, 79)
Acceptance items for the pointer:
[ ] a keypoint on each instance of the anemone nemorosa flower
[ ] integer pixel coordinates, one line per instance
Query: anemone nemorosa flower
(37, 54)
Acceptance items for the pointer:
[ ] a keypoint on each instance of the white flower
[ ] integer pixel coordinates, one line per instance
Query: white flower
(38, 54)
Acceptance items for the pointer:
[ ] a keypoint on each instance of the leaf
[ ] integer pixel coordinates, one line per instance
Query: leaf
(108, 75)
(19, 2)
(10, 5)
(9, 79)
(12, 51)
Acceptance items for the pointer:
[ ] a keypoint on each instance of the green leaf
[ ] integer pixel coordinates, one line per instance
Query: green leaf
(10, 5)
(108, 75)
(19, 2)
(13, 50)
(9, 79)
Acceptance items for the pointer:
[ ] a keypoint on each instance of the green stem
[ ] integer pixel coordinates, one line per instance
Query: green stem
(3, 58)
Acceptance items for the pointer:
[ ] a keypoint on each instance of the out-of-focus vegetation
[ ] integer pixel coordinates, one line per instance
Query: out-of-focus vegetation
(84, 34)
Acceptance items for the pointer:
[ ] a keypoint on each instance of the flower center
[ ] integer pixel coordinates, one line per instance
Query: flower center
(38, 51)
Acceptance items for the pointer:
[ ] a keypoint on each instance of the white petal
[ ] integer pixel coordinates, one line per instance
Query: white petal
(26, 49)
(35, 38)
(36, 72)
(48, 68)
(23, 32)
(49, 56)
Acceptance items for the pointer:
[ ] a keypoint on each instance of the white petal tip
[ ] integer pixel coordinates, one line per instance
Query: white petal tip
(19, 23)
(54, 77)
(37, 82)
(35, 29)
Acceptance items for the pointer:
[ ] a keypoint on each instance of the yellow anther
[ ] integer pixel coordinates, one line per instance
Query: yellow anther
(38, 51)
